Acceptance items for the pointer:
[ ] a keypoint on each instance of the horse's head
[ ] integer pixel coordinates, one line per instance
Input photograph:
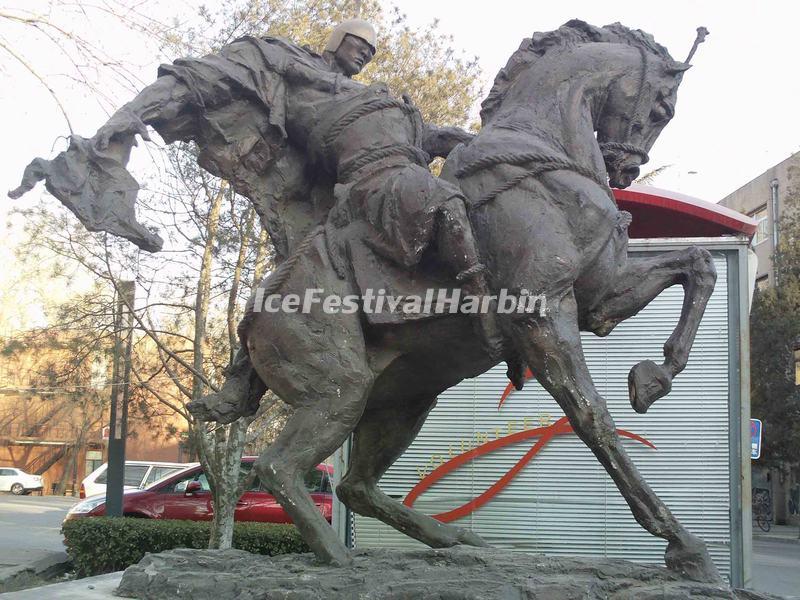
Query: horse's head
(638, 105)
(627, 81)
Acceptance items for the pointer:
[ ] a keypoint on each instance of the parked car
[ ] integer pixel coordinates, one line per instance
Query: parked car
(187, 495)
(138, 474)
(18, 482)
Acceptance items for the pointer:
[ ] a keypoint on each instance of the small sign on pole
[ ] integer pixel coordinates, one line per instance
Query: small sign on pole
(755, 438)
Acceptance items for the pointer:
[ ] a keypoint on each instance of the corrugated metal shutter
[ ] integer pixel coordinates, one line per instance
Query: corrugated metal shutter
(563, 502)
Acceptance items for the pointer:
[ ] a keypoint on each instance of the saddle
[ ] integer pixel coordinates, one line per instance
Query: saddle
(408, 294)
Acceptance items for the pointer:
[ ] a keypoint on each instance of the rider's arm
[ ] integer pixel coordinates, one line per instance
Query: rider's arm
(440, 141)
(161, 101)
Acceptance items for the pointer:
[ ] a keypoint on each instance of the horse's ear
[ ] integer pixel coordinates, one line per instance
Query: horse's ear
(677, 68)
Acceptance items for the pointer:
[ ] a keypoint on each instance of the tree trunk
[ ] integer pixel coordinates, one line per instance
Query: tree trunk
(227, 486)
(245, 233)
(204, 290)
(206, 448)
(233, 487)
(71, 458)
(262, 258)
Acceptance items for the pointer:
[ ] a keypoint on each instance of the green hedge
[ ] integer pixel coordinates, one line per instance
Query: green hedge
(105, 544)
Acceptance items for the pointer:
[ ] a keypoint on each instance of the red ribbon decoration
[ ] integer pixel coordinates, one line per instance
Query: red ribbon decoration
(545, 434)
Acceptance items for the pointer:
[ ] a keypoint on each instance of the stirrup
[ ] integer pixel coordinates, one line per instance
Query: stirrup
(471, 272)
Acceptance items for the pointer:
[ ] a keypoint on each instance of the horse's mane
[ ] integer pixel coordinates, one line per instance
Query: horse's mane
(570, 34)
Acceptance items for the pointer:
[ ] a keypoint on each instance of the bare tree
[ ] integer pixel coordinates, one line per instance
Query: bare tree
(216, 251)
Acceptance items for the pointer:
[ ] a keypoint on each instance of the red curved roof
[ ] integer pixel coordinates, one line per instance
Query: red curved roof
(663, 214)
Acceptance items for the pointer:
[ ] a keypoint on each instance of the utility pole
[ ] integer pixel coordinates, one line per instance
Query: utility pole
(120, 394)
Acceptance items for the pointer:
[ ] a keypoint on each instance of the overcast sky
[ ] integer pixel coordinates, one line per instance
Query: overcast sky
(737, 111)
(736, 114)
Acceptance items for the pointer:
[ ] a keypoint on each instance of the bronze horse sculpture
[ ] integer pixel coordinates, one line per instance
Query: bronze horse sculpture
(545, 220)
(573, 109)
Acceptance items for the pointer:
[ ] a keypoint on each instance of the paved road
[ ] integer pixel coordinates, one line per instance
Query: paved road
(30, 528)
(776, 568)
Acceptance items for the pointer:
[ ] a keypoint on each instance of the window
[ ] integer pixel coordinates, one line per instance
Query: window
(317, 481)
(762, 231)
(133, 475)
(797, 366)
(92, 464)
(255, 485)
(157, 473)
(179, 487)
(314, 481)
(762, 283)
(98, 373)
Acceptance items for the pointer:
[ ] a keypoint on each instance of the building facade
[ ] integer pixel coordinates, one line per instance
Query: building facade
(54, 420)
(763, 199)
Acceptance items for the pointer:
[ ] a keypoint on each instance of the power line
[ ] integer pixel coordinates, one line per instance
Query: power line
(94, 387)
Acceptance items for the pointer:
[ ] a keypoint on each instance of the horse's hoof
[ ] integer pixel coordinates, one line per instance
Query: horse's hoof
(470, 538)
(335, 558)
(647, 382)
(690, 558)
(213, 408)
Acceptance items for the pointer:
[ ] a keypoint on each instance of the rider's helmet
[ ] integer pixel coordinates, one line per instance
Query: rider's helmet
(357, 27)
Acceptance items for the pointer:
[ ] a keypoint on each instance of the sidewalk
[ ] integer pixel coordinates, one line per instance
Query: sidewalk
(789, 534)
(31, 550)
(91, 588)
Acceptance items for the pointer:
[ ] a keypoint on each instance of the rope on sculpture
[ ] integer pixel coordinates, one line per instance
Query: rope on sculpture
(629, 148)
(276, 280)
(363, 110)
(281, 274)
(640, 112)
(417, 155)
(543, 163)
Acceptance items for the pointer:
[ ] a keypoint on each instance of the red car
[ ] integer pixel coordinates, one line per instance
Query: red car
(187, 495)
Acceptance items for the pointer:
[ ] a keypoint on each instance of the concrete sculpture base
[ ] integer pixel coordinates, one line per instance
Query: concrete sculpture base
(459, 573)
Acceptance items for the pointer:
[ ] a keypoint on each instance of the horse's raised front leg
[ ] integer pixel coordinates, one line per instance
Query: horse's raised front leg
(552, 347)
(381, 437)
(638, 282)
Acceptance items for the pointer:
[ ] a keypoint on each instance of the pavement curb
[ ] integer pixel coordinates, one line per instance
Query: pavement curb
(100, 587)
(780, 540)
(20, 577)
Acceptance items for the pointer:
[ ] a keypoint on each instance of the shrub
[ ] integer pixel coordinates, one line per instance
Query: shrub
(105, 544)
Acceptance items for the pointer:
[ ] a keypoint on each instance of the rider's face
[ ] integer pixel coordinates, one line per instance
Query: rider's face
(352, 55)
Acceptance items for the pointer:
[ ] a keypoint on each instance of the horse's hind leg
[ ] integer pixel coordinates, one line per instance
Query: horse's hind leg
(315, 430)
(381, 437)
(552, 347)
(637, 284)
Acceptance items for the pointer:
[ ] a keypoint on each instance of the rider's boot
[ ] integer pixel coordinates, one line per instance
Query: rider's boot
(240, 395)
(473, 283)
(458, 248)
